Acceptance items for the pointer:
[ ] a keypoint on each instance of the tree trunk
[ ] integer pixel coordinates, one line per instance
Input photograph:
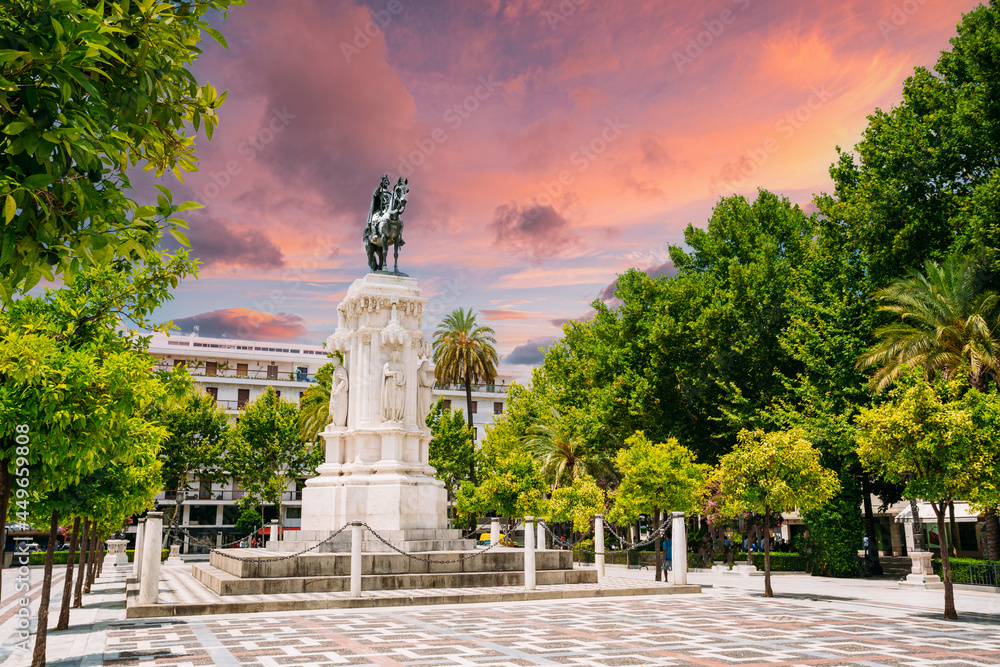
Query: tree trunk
(6, 486)
(67, 596)
(82, 570)
(874, 566)
(91, 557)
(954, 529)
(101, 552)
(178, 511)
(656, 544)
(949, 590)
(768, 593)
(992, 546)
(38, 657)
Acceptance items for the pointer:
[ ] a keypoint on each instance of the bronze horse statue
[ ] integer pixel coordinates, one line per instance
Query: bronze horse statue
(386, 228)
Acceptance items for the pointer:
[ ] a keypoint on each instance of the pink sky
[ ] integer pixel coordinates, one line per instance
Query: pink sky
(549, 145)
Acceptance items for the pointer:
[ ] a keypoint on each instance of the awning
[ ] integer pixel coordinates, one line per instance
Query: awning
(962, 513)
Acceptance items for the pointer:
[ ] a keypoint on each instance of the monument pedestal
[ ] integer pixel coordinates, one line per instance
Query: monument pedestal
(377, 466)
(922, 572)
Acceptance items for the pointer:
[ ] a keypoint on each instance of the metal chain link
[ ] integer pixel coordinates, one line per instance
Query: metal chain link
(279, 558)
(652, 538)
(434, 560)
(562, 540)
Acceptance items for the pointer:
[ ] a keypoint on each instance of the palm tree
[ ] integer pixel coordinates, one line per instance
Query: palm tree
(314, 406)
(464, 352)
(944, 322)
(562, 456)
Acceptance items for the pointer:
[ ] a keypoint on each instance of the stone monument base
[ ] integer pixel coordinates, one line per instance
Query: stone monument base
(407, 540)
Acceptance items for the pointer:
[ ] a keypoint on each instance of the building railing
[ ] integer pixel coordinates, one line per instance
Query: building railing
(225, 373)
(222, 495)
(485, 388)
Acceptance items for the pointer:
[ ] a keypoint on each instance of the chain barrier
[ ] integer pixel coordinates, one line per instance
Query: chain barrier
(652, 538)
(434, 560)
(562, 541)
(280, 558)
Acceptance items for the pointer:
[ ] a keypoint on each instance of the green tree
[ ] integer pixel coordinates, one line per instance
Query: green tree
(266, 450)
(464, 352)
(194, 450)
(450, 450)
(511, 485)
(773, 472)
(576, 503)
(88, 90)
(925, 436)
(656, 477)
(563, 456)
(924, 181)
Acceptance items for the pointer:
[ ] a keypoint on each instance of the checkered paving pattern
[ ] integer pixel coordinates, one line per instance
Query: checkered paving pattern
(721, 629)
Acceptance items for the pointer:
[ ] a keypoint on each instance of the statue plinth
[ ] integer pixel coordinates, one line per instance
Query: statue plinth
(377, 468)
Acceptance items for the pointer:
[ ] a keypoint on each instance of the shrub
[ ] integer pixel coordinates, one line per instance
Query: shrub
(835, 531)
(964, 571)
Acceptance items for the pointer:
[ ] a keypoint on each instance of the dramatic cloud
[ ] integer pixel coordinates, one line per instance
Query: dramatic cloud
(531, 353)
(664, 269)
(492, 314)
(244, 323)
(536, 230)
(218, 244)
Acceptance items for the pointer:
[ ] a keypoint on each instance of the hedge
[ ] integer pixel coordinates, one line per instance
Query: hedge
(780, 561)
(964, 571)
(60, 557)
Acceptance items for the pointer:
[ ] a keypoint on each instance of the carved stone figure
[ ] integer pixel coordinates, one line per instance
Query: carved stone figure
(393, 389)
(384, 227)
(339, 394)
(425, 391)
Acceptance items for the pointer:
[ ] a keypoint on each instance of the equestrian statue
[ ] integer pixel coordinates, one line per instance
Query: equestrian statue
(384, 226)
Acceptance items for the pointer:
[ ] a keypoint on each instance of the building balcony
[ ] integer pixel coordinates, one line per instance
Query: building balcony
(480, 388)
(259, 375)
(171, 495)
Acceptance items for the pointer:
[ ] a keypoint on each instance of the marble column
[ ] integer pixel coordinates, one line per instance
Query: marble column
(149, 584)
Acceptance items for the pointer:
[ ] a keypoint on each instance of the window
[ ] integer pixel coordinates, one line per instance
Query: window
(475, 406)
(201, 515)
(293, 513)
(475, 434)
(241, 370)
(272, 372)
(179, 363)
(211, 368)
(213, 392)
(277, 393)
(242, 397)
(498, 407)
(447, 404)
(230, 513)
(204, 490)
(302, 374)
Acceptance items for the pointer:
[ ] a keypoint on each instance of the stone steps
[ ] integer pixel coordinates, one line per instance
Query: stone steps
(225, 583)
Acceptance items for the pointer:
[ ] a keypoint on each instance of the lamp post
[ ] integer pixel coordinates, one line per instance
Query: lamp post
(915, 522)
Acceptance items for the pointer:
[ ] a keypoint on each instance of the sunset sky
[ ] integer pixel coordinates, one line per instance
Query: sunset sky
(549, 145)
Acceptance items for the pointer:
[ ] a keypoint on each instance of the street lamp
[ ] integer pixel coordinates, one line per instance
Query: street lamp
(917, 525)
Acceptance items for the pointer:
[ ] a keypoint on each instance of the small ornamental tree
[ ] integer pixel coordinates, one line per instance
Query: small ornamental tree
(266, 450)
(577, 503)
(656, 477)
(928, 437)
(771, 473)
(450, 449)
(512, 485)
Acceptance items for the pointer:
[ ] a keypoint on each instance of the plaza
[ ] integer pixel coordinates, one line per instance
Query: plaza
(810, 621)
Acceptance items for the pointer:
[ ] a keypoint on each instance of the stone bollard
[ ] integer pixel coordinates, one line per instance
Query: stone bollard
(140, 535)
(922, 572)
(540, 542)
(494, 530)
(275, 531)
(599, 544)
(175, 554)
(149, 580)
(529, 553)
(116, 558)
(679, 545)
(357, 532)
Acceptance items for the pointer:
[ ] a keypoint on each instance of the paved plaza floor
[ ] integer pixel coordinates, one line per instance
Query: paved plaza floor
(812, 621)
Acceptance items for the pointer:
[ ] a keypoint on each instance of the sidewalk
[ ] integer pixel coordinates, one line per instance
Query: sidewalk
(873, 592)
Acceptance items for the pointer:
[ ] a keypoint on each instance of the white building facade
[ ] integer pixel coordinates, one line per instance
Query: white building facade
(237, 372)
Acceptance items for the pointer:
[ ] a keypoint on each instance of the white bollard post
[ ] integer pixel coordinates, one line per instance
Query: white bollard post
(149, 580)
(529, 554)
(140, 535)
(275, 532)
(494, 530)
(679, 549)
(599, 544)
(356, 535)
(540, 542)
